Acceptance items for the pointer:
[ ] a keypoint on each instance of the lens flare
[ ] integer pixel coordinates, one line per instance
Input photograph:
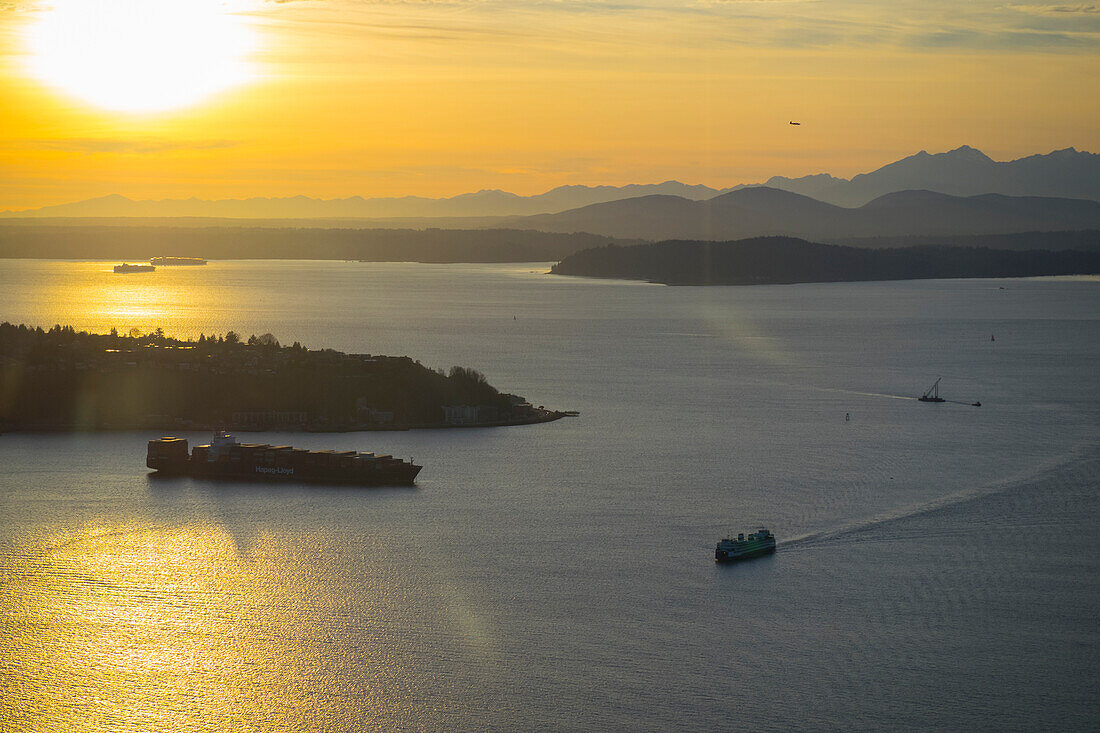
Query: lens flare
(140, 55)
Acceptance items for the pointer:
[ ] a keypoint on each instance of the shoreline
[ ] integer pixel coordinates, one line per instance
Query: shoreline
(549, 416)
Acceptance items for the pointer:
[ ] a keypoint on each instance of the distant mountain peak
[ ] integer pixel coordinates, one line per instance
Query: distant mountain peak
(762, 193)
(1064, 153)
(816, 178)
(961, 154)
(965, 152)
(907, 198)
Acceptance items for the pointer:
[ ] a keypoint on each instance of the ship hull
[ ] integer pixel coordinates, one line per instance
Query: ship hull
(721, 557)
(397, 476)
(401, 476)
(168, 467)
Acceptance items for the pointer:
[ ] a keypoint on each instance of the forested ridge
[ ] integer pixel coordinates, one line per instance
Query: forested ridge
(64, 379)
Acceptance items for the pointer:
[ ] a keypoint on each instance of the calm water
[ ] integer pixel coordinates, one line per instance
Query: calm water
(939, 565)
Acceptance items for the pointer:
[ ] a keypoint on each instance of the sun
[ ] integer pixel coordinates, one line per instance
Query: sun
(140, 55)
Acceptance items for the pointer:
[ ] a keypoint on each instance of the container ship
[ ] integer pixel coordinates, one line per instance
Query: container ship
(224, 457)
(127, 267)
(173, 261)
(760, 542)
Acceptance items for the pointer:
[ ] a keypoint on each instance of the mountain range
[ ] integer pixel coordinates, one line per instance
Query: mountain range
(961, 172)
(964, 171)
(485, 203)
(762, 211)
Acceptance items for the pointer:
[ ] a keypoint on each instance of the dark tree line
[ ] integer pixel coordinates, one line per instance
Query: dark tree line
(62, 378)
(131, 242)
(778, 260)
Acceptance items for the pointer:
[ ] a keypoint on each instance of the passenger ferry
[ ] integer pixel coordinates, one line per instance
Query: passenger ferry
(760, 542)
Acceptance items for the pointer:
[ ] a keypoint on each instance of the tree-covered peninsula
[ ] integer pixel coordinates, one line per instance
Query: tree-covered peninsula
(783, 260)
(61, 379)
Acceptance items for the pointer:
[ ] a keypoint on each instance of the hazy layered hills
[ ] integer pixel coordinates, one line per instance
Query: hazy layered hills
(480, 204)
(962, 172)
(140, 242)
(762, 211)
(895, 220)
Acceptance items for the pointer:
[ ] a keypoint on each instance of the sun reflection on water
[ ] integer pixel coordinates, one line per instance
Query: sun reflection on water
(134, 300)
(96, 299)
(147, 628)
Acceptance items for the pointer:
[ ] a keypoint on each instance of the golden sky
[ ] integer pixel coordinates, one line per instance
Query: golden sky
(333, 98)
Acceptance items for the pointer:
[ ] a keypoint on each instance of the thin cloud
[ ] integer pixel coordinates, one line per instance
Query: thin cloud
(1002, 40)
(1058, 10)
(24, 6)
(138, 147)
(360, 3)
(720, 3)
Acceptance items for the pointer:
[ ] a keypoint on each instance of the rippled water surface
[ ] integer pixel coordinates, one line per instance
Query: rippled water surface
(938, 568)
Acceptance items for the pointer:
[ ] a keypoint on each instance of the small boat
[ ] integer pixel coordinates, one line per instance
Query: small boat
(760, 542)
(125, 267)
(933, 393)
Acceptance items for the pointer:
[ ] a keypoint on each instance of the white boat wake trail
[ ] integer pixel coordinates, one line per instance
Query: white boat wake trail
(1084, 462)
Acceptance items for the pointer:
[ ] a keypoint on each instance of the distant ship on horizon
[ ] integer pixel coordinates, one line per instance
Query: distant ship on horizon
(126, 267)
(173, 261)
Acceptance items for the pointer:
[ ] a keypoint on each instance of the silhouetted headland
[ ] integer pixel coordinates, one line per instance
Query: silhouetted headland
(62, 379)
(784, 260)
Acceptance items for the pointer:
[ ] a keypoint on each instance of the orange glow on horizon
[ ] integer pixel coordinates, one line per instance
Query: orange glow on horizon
(331, 100)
